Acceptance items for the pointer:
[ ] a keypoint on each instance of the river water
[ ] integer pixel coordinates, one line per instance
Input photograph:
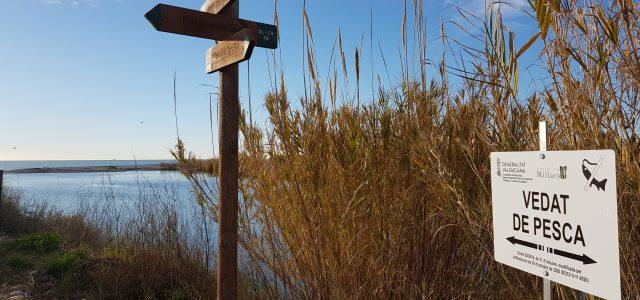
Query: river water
(8, 165)
(116, 196)
(129, 199)
(65, 191)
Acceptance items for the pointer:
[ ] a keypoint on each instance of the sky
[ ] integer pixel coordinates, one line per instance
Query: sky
(92, 79)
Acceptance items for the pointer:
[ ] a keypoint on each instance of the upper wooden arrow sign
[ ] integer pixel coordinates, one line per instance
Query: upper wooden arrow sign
(237, 49)
(195, 23)
(215, 6)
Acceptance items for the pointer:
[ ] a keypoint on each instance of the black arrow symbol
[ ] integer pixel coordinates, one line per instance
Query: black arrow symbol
(514, 240)
(583, 258)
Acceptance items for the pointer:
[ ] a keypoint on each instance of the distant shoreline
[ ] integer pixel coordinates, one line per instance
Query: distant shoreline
(97, 169)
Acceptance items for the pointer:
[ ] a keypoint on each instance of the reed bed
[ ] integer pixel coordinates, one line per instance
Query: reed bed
(390, 197)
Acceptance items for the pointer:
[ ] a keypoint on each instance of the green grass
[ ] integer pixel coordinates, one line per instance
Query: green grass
(38, 242)
(66, 261)
(178, 295)
(18, 261)
(62, 263)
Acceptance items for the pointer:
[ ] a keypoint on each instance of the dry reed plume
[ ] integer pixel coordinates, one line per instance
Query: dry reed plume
(390, 198)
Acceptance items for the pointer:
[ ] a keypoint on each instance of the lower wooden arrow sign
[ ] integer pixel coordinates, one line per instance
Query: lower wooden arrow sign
(235, 49)
(215, 6)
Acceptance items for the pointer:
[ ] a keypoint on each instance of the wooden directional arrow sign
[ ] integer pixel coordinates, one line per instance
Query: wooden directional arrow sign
(237, 49)
(236, 38)
(215, 6)
(195, 23)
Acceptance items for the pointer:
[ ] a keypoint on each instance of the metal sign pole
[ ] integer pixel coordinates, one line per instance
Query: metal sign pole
(542, 135)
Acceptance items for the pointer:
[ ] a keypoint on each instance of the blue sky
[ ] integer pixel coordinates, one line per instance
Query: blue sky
(91, 79)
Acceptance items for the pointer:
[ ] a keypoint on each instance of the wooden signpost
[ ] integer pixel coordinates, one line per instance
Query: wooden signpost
(219, 21)
(215, 6)
(183, 21)
(237, 48)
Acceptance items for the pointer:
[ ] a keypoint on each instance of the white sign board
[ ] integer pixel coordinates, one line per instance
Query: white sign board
(555, 215)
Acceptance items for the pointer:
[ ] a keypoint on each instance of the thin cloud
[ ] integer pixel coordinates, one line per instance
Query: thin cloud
(509, 9)
(514, 12)
(92, 3)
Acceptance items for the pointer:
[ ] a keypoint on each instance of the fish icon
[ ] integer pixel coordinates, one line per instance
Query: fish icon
(591, 180)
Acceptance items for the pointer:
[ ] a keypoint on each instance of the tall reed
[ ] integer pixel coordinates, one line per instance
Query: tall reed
(390, 198)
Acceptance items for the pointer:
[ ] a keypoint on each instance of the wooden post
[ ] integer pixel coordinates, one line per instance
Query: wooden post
(218, 20)
(229, 107)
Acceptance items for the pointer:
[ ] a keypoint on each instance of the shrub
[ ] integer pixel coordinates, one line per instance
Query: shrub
(14, 218)
(65, 262)
(18, 261)
(39, 242)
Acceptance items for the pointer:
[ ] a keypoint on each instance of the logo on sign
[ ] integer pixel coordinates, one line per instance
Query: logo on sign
(590, 172)
(551, 173)
(563, 172)
(499, 173)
